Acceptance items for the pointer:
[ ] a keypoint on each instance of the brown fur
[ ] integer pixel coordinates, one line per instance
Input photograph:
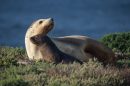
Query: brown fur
(39, 27)
(50, 52)
(84, 48)
(40, 47)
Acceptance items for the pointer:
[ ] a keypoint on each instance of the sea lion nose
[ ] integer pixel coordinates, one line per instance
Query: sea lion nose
(51, 19)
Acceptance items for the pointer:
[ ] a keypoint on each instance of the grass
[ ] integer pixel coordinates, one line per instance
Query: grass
(92, 73)
(39, 73)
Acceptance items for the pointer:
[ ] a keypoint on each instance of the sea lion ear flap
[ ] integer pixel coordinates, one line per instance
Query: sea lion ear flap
(36, 39)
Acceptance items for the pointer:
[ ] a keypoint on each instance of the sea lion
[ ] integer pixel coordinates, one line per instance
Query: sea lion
(40, 47)
(81, 48)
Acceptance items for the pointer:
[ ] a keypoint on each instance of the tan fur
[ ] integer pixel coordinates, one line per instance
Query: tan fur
(49, 50)
(40, 47)
(35, 29)
(80, 47)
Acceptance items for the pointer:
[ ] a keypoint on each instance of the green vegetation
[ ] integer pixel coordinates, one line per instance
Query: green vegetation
(118, 41)
(40, 73)
(10, 55)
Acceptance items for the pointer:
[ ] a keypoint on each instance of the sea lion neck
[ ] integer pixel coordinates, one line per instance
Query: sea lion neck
(42, 40)
(47, 40)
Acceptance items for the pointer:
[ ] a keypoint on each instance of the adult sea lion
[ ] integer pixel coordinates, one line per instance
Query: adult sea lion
(80, 47)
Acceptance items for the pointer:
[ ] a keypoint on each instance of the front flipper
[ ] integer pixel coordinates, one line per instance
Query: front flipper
(37, 39)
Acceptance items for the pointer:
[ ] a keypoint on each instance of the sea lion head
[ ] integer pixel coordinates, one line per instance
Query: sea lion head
(42, 26)
(35, 38)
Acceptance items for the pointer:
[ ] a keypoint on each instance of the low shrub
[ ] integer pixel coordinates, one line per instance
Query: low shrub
(10, 55)
(92, 73)
(117, 41)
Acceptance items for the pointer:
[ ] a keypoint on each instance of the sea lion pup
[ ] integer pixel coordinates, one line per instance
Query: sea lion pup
(84, 48)
(40, 47)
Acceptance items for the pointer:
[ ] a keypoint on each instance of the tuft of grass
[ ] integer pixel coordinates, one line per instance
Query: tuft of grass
(9, 56)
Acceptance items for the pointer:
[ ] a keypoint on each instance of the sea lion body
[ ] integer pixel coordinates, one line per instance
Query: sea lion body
(78, 48)
(84, 48)
(73, 45)
(50, 52)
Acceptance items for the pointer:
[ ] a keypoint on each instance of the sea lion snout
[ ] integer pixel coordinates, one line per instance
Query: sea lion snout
(49, 24)
(42, 26)
(46, 22)
(51, 19)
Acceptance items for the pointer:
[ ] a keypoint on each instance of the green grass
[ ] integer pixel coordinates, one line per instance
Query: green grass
(39, 73)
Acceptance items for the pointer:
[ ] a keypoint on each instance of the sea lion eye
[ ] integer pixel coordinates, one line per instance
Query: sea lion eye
(40, 22)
